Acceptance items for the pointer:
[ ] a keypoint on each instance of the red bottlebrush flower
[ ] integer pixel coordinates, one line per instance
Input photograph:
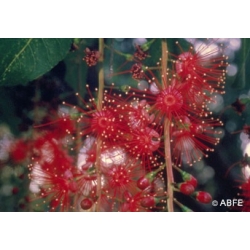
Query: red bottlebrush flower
(186, 188)
(91, 57)
(107, 123)
(103, 122)
(121, 177)
(60, 127)
(19, 151)
(185, 64)
(87, 155)
(87, 184)
(64, 127)
(56, 188)
(132, 203)
(203, 67)
(146, 199)
(169, 101)
(137, 114)
(203, 197)
(53, 172)
(192, 139)
(143, 142)
(50, 152)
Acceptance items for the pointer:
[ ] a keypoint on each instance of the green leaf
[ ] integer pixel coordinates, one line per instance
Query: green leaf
(7, 115)
(243, 77)
(76, 74)
(23, 60)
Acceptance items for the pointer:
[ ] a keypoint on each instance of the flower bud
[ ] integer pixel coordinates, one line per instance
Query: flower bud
(188, 178)
(192, 181)
(186, 188)
(203, 197)
(15, 190)
(149, 201)
(146, 180)
(143, 183)
(86, 204)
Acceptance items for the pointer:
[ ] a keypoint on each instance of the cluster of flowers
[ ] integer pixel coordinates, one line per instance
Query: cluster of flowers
(120, 165)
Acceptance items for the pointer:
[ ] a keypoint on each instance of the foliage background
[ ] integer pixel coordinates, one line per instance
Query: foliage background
(178, 19)
(52, 70)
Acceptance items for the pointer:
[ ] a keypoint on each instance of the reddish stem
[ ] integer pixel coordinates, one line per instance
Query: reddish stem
(99, 107)
(167, 124)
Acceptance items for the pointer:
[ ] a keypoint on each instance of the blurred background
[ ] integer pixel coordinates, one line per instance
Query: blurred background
(60, 72)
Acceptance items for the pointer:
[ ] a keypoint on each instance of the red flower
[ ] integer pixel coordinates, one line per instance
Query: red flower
(193, 139)
(143, 142)
(19, 151)
(201, 68)
(132, 203)
(57, 188)
(119, 177)
(59, 126)
(137, 114)
(170, 101)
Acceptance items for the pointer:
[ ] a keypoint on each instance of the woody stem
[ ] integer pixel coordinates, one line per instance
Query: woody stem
(99, 107)
(167, 126)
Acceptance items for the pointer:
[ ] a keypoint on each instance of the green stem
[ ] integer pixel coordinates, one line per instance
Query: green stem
(128, 57)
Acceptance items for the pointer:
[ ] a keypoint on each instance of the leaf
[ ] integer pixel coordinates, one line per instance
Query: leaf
(7, 115)
(23, 60)
(243, 77)
(76, 74)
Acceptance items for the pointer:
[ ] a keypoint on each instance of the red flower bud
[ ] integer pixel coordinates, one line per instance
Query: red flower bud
(15, 190)
(148, 201)
(188, 178)
(192, 181)
(143, 183)
(86, 204)
(146, 180)
(203, 197)
(186, 188)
